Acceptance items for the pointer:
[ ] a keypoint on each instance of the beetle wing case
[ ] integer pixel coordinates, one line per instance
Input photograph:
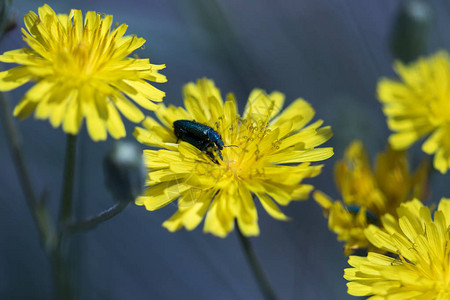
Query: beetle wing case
(200, 136)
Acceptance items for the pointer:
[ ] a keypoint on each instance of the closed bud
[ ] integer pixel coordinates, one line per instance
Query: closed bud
(409, 37)
(124, 171)
(7, 20)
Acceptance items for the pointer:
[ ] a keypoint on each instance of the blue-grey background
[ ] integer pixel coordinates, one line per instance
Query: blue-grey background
(330, 52)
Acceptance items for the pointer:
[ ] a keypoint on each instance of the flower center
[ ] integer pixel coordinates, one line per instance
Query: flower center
(243, 156)
(83, 58)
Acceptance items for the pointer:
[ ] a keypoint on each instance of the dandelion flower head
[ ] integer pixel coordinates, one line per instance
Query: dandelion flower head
(270, 154)
(368, 193)
(418, 266)
(417, 105)
(82, 71)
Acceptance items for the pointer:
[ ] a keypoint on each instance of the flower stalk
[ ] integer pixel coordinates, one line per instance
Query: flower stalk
(94, 221)
(65, 212)
(258, 272)
(37, 208)
(61, 267)
(61, 274)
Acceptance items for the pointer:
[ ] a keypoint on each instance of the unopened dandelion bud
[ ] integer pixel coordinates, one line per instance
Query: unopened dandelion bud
(124, 171)
(7, 20)
(409, 37)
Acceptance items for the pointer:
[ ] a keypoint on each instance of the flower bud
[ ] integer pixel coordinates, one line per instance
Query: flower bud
(409, 37)
(7, 20)
(124, 171)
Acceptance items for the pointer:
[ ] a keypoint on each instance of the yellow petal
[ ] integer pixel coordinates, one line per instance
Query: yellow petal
(380, 239)
(195, 214)
(114, 123)
(74, 116)
(323, 200)
(295, 156)
(174, 223)
(217, 221)
(30, 21)
(299, 111)
(271, 208)
(161, 194)
(96, 126)
(247, 217)
(14, 78)
(441, 161)
(19, 56)
(434, 142)
(143, 90)
(128, 109)
(444, 206)
(260, 105)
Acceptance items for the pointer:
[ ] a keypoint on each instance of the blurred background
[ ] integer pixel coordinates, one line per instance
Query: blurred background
(330, 52)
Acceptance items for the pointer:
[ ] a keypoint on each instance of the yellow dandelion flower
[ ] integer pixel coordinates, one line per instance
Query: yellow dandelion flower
(81, 70)
(417, 106)
(368, 194)
(419, 265)
(267, 154)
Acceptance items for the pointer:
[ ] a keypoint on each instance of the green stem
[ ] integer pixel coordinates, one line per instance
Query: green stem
(61, 275)
(60, 258)
(92, 222)
(260, 277)
(65, 213)
(37, 208)
(12, 135)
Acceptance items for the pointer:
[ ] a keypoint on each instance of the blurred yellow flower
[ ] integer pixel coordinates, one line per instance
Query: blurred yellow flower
(82, 71)
(368, 194)
(270, 155)
(418, 105)
(419, 263)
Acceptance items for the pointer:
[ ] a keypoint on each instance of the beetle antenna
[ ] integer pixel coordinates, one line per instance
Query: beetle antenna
(232, 146)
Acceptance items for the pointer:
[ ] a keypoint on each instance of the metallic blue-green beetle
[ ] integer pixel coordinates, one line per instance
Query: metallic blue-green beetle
(370, 216)
(200, 136)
